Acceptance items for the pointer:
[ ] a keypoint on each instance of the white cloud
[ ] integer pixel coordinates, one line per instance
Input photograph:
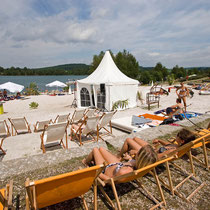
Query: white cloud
(170, 32)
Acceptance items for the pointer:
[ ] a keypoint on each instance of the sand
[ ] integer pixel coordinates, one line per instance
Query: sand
(50, 106)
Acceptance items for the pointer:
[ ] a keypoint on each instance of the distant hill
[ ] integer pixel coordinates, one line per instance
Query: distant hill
(75, 68)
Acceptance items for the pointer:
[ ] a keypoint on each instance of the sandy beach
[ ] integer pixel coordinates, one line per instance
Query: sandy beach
(50, 106)
(24, 158)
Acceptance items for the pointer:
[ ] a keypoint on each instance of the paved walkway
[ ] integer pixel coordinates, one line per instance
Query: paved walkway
(34, 159)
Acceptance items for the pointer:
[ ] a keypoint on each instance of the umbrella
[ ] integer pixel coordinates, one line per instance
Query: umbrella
(56, 84)
(12, 87)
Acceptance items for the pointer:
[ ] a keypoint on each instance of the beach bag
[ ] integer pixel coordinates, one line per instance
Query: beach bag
(167, 121)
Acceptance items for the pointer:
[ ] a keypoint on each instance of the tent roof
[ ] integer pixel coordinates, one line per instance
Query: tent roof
(108, 73)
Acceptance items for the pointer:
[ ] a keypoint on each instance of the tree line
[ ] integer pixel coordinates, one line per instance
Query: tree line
(125, 61)
(66, 69)
(128, 64)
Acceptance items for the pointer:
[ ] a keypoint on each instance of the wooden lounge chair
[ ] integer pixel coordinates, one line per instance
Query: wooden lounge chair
(104, 121)
(39, 126)
(152, 98)
(88, 127)
(19, 125)
(4, 128)
(62, 118)
(205, 135)
(185, 149)
(4, 153)
(6, 197)
(54, 134)
(136, 175)
(56, 189)
(77, 116)
(90, 113)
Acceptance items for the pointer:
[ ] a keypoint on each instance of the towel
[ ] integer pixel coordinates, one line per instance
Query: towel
(137, 121)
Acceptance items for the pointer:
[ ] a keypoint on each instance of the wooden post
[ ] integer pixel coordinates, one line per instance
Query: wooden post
(115, 194)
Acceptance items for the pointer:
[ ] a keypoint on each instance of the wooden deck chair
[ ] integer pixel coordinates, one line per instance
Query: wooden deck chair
(88, 127)
(4, 128)
(53, 134)
(62, 118)
(205, 135)
(185, 149)
(77, 116)
(104, 121)
(136, 175)
(6, 197)
(4, 153)
(39, 126)
(56, 189)
(19, 125)
(90, 112)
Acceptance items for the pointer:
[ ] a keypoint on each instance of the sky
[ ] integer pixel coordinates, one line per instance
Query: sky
(40, 33)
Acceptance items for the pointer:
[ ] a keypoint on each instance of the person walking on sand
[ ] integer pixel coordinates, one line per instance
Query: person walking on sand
(182, 92)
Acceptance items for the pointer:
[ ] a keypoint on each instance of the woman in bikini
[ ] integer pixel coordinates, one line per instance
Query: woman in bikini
(144, 156)
(132, 146)
(170, 111)
(182, 92)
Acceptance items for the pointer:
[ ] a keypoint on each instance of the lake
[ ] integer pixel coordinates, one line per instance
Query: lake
(41, 81)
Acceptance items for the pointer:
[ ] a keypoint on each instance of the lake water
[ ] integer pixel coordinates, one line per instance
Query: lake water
(41, 81)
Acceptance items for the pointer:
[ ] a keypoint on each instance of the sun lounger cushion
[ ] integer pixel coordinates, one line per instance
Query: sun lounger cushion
(125, 125)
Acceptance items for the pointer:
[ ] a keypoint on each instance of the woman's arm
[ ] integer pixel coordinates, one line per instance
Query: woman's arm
(163, 142)
(177, 91)
(104, 176)
(165, 153)
(187, 90)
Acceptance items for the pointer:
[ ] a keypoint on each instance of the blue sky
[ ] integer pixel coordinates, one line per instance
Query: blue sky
(38, 33)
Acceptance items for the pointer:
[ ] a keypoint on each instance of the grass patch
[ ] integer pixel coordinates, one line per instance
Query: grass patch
(130, 196)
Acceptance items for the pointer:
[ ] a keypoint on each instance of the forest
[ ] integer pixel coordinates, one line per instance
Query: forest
(125, 61)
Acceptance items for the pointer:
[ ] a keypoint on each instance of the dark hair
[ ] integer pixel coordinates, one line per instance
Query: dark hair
(169, 110)
(186, 135)
(178, 100)
(208, 126)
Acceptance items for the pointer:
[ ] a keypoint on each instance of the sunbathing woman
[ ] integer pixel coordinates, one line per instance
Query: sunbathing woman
(145, 156)
(182, 92)
(170, 111)
(132, 146)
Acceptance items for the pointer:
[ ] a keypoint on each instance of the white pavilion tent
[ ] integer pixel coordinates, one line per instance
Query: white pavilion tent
(105, 86)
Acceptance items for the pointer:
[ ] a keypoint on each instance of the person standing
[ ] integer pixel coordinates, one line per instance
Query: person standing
(182, 92)
(5, 93)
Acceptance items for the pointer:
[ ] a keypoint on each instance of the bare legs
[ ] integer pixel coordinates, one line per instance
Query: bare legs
(101, 155)
(132, 146)
(184, 102)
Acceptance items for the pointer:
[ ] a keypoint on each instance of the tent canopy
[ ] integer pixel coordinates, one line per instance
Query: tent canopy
(107, 72)
(12, 87)
(105, 86)
(56, 84)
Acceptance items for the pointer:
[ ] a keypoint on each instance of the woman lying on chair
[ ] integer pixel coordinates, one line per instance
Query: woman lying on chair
(145, 156)
(132, 146)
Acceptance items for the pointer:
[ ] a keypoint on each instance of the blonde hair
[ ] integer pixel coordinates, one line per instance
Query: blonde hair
(145, 156)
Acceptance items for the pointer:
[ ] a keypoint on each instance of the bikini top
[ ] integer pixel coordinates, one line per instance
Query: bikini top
(118, 167)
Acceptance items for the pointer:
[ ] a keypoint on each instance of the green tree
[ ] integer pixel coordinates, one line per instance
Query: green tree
(160, 72)
(145, 77)
(127, 63)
